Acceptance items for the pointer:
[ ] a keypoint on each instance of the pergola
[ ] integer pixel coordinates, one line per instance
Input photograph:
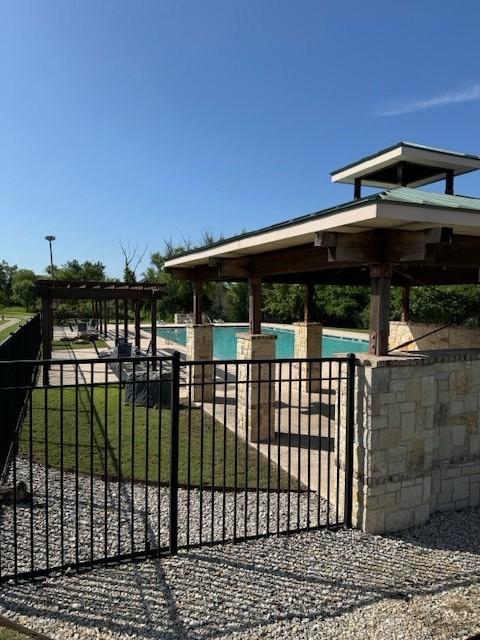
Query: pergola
(402, 236)
(99, 293)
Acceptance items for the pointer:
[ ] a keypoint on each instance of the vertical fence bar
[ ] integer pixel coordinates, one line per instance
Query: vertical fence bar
(159, 456)
(189, 449)
(132, 460)
(225, 391)
(91, 396)
(47, 496)
(174, 409)
(350, 433)
(235, 462)
(62, 550)
(105, 462)
(212, 491)
(147, 441)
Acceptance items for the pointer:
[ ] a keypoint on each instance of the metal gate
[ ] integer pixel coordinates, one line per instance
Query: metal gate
(124, 459)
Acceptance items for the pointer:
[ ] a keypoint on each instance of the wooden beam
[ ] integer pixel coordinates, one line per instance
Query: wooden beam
(197, 301)
(405, 304)
(231, 267)
(357, 189)
(308, 303)
(116, 322)
(449, 178)
(255, 304)
(125, 320)
(380, 309)
(136, 309)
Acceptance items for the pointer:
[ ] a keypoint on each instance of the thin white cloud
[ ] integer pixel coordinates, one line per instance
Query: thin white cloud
(453, 97)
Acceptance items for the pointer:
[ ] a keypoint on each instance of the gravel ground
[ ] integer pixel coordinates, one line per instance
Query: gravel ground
(423, 584)
(102, 527)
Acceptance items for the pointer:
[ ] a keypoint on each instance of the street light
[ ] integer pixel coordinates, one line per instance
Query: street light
(50, 239)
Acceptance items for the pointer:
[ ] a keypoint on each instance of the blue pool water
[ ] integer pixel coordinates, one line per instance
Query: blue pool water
(225, 341)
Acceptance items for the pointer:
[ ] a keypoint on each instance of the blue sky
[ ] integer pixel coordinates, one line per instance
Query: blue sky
(149, 120)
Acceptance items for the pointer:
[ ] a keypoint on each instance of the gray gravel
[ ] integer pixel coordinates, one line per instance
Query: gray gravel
(423, 584)
(95, 524)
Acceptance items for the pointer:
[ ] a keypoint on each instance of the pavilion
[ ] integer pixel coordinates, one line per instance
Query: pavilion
(416, 420)
(402, 236)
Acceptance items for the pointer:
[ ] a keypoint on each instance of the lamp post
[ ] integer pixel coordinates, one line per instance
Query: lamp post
(50, 239)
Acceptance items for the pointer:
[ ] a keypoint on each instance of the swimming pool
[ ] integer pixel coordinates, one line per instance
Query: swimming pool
(225, 341)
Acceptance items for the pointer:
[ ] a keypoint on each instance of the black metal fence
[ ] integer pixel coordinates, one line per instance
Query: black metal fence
(23, 344)
(128, 458)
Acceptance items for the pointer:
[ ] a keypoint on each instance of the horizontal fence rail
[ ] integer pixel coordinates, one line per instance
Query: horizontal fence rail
(123, 459)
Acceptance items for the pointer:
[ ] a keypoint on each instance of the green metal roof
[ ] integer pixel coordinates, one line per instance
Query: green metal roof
(413, 145)
(403, 195)
(416, 196)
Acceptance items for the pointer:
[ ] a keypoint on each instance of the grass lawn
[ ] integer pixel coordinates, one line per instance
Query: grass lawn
(6, 331)
(58, 345)
(10, 634)
(98, 423)
(16, 312)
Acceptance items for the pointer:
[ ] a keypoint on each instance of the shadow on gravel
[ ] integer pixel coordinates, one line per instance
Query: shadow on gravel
(304, 579)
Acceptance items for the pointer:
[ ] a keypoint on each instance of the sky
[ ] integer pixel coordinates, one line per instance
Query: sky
(149, 121)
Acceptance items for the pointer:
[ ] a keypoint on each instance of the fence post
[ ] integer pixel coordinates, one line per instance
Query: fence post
(174, 413)
(349, 440)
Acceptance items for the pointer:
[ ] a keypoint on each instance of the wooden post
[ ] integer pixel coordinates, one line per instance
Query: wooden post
(125, 320)
(197, 301)
(357, 189)
(116, 322)
(154, 331)
(380, 309)
(255, 304)
(105, 319)
(308, 303)
(449, 175)
(405, 304)
(136, 309)
(401, 174)
(46, 335)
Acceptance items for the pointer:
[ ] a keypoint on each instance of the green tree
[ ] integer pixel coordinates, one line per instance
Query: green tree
(75, 270)
(23, 282)
(6, 276)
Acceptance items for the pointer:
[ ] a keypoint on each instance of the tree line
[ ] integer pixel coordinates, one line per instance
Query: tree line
(340, 306)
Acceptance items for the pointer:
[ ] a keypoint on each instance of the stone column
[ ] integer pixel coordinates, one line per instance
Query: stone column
(394, 427)
(256, 398)
(200, 347)
(308, 344)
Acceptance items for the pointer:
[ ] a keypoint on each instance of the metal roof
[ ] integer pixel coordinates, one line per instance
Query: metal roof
(402, 195)
(412, 145)
(416, 196)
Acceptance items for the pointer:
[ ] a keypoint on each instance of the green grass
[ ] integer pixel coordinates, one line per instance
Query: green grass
(16, 312)
(98, 422)
(62, 345)
(10, 634)
(6, 331)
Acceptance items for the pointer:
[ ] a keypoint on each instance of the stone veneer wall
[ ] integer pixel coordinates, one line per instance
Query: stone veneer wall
(256, 400)
(417, 441)
(449, 338)
(308, 344)
(200, 347)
